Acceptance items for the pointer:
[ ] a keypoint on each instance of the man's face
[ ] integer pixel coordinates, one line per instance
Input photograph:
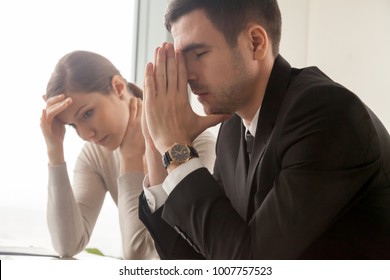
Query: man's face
(218, 74)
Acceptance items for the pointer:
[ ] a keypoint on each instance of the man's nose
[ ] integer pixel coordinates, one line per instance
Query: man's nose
(191, 71)
(191, 75)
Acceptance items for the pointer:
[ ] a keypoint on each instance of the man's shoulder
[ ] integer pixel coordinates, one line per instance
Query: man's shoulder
(313, 84)
(310, 76)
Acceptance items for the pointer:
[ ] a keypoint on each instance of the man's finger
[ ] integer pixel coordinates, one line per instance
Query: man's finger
(160, 69)
(171, 71)
(149, 84)
(206, 122)
(182, 72)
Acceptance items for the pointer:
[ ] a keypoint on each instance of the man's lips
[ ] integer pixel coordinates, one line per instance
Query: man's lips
(201, 96)
(201, 93)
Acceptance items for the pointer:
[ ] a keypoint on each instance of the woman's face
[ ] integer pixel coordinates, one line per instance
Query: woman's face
(98, 118)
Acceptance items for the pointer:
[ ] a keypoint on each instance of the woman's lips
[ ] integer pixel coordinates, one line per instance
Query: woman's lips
(103, 140)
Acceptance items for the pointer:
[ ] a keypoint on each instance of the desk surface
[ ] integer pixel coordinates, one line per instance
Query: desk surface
(16, 252)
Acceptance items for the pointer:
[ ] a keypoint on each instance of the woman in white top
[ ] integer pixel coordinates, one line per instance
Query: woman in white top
(87, 92)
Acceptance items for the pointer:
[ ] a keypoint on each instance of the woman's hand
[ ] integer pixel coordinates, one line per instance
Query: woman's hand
(132, 148)
(53, 129)
(155, 169)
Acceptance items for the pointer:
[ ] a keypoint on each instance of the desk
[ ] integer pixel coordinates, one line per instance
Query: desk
(18, 252)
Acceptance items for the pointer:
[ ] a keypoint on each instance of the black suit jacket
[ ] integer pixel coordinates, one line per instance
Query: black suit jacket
(317, 186)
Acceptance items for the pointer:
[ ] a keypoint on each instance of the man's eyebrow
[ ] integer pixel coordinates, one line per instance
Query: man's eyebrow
(193, 46)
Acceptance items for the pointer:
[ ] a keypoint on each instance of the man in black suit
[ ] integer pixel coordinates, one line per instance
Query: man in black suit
(316, 182)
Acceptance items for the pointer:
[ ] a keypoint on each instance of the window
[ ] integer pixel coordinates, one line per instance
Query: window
(34, 36)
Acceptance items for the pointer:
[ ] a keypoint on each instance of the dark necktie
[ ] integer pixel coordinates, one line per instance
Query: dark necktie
(249, 143)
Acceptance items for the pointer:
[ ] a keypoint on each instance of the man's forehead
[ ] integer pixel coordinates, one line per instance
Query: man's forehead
(188, 19)
(191, 29)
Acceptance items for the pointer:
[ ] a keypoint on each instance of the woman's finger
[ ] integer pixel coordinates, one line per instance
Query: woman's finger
(139, 109)
(54, 109)
(132, 109)
(54, 99)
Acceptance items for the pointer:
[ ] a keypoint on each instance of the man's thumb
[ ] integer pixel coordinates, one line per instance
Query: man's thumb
(212, 120)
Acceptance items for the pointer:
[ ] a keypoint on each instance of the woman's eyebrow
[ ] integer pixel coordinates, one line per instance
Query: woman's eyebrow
(78, 111)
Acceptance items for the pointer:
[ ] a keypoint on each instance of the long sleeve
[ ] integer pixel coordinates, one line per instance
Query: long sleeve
(72, 213)
(136, 240)
(74, 208)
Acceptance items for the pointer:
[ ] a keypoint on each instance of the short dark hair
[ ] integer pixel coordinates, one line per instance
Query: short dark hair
(231, 16)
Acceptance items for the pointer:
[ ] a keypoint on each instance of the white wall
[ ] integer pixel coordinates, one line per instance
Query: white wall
(348, 39)
(295, 28)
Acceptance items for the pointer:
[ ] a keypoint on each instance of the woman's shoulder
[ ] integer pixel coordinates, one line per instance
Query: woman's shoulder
(96, 155)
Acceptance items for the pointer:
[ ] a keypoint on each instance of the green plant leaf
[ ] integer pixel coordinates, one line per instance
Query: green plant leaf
(94, 251)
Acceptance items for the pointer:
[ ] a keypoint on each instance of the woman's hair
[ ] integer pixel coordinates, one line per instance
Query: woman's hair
(230, 17)
(84, 72)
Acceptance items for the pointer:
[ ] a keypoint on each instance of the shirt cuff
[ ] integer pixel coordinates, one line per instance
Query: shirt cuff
(155, 195)
(179, 173)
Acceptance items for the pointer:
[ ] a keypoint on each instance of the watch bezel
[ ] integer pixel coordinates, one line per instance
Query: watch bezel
(177, 157)
(169, 157)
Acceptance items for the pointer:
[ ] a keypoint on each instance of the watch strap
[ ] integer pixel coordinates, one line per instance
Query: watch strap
(166, 159)
(193, 152)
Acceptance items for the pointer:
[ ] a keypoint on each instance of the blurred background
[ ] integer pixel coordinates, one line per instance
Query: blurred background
(349, 40)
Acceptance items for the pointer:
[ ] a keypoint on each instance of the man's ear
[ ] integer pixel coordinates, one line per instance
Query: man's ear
(259, 41)
(118, 85)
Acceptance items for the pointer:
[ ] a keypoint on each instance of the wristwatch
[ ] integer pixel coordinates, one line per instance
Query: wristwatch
(179, 153)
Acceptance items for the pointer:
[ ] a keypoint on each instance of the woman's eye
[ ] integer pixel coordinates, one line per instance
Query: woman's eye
(87, 114)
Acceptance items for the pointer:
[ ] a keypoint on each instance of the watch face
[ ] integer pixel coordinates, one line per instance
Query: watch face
(180, 153)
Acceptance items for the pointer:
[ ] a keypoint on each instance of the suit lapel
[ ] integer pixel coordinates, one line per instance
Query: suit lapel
(276, 89)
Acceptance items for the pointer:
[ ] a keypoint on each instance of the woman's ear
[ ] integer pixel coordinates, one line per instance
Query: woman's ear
(259, 41)
(118, 85)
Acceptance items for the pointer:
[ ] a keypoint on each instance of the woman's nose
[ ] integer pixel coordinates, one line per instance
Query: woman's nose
(85, 132)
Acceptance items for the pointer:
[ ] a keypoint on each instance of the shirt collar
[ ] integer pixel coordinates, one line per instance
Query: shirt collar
(252, 127)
